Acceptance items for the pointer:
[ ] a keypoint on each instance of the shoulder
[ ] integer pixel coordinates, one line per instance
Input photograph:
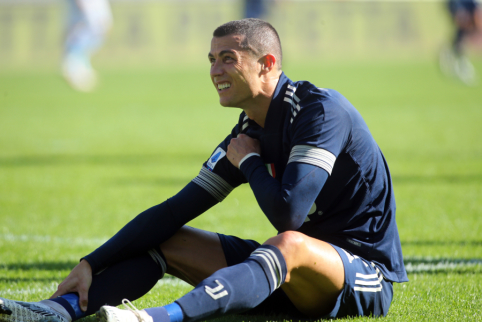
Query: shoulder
(311, 102)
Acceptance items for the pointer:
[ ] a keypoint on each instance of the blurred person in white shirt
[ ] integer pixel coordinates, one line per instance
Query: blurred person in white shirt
(88, 23)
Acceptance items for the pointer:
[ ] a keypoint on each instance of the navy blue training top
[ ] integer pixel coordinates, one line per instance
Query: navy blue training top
(355, 208)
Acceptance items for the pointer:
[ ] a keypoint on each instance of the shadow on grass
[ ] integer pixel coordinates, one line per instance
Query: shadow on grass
(437, 179)
(40, 266)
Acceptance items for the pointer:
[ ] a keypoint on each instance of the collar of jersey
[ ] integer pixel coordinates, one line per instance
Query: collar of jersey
(275, 110)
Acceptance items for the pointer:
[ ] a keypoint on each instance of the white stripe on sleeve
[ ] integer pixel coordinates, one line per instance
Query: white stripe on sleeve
(368, 289)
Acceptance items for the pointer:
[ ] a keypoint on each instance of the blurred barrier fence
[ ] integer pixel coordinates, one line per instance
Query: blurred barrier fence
(177, 33)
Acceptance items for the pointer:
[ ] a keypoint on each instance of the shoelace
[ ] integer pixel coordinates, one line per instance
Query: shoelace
(128, 305)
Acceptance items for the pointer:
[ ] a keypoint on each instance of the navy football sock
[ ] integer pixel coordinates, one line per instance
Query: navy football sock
(236, 288)
(131, 278)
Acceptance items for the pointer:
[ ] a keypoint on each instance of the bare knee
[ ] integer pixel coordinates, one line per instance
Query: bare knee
(290, 243)
(287, 241)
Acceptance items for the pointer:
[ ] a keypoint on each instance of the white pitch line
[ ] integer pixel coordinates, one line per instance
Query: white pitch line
(17, 293)
(442, 265)
(76, 241)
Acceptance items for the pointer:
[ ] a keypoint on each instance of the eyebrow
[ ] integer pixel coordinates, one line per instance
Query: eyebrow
(223, 52)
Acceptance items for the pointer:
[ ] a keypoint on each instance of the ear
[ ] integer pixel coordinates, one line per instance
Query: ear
(268, 62)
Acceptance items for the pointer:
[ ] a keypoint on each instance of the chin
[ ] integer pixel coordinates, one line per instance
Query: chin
(226, 103)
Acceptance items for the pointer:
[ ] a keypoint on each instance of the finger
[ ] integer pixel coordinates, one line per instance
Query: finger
(243, 138)
(233, 146)
(56, 294)
(234, 142)
(60, 291)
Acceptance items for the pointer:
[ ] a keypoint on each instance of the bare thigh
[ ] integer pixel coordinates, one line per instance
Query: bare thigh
(193, 254)
(316, 275)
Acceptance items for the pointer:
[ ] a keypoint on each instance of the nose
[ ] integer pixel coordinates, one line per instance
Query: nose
(216, 69)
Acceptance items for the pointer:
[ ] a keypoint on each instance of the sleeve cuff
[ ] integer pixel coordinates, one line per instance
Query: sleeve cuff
(95, 267)
(246, 157)
(250, 165)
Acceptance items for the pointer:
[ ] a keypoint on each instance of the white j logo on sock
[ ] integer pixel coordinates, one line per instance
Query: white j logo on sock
(215, 292)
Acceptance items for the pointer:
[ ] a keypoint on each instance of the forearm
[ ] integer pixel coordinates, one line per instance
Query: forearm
(152, 227)
(285, 204)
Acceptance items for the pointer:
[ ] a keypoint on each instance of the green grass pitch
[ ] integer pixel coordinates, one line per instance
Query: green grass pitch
(74, 168)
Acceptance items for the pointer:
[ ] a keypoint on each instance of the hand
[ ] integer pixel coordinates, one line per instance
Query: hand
(241, 146)
(78, 281)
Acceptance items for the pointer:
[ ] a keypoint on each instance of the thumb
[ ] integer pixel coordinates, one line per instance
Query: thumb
(83, 300)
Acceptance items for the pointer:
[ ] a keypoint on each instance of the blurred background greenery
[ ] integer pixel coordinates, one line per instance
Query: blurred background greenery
(150, 34)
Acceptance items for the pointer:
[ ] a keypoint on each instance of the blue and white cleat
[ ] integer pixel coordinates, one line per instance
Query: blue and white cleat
(16, 311)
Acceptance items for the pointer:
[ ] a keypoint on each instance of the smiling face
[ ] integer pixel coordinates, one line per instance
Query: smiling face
(234, 72)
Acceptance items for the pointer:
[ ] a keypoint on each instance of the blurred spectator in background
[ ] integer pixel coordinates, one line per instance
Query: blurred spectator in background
(255, 9)
(467, 18)
(88, 24)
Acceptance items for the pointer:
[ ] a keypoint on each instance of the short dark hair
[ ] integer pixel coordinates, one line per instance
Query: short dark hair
(260, 37)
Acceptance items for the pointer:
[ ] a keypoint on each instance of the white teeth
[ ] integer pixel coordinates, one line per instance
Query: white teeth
(224, 85)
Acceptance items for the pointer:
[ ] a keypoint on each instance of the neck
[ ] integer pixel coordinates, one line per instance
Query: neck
(258, 110)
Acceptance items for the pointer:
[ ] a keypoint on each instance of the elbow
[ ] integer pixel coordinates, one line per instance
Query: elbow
(286, 219)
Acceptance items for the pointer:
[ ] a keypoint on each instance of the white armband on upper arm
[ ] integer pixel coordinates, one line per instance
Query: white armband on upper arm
(313, 155)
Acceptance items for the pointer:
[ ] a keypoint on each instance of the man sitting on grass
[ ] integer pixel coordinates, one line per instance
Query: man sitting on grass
(317, 174)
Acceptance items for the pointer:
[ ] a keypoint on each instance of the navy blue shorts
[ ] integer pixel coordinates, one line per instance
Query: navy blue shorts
(366, 292)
